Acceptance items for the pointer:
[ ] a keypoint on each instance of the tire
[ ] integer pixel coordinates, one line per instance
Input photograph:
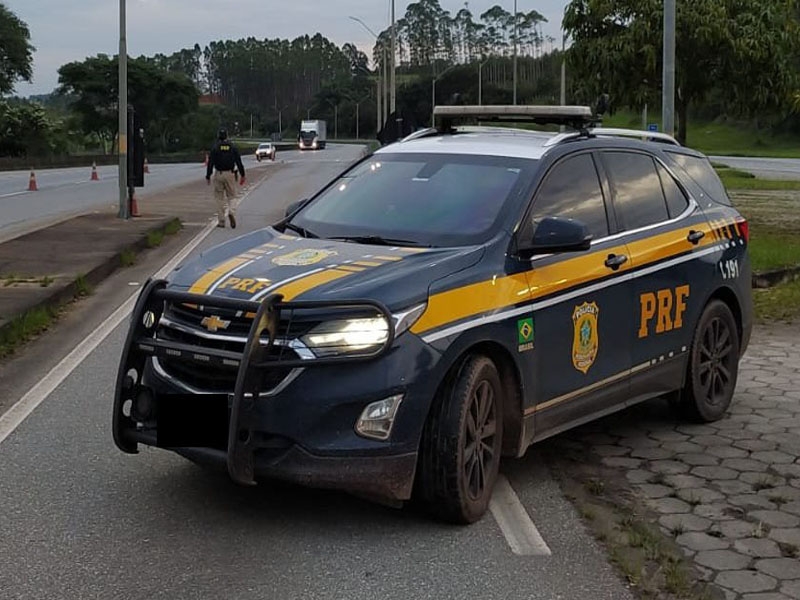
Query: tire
(453, 482)
(713, 366)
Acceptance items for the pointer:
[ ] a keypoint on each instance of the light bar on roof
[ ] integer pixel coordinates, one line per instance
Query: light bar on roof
(489, 112)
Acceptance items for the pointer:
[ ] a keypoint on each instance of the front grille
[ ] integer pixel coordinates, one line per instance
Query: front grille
(290, 326)
(221, 379)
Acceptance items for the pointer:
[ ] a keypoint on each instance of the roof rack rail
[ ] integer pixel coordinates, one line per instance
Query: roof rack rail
(653, 136)
(577, 117)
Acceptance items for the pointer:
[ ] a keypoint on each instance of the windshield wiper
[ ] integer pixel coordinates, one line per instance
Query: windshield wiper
(378, 240)
(297, 229)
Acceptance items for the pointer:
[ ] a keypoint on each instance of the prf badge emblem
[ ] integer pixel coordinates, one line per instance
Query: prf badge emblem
(585, 339)
(300, 258)
(525, 334)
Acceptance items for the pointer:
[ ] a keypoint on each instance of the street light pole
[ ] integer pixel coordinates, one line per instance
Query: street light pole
(383, 90)
(122, 105)
(668, 84)
(393, 99)
(514, 68)
(563, 73)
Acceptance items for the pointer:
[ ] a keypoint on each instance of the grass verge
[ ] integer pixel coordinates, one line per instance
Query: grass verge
(32, 323)
(720, 137)
(648, 559)
(778, 303)
(769, 251)
(734, 179)
(27, 326)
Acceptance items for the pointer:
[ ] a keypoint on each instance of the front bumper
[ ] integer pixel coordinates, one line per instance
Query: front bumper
(303, 433)
(387, 477)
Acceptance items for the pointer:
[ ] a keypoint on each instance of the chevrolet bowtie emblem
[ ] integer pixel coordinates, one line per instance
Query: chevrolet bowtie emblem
(213, 323)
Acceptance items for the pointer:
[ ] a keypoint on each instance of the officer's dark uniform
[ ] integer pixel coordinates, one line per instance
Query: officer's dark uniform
(224, 158)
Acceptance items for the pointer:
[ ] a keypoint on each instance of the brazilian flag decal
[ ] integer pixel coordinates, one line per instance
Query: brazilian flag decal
(525, 334)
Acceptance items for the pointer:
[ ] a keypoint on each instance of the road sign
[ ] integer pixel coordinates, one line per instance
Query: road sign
(652, 127)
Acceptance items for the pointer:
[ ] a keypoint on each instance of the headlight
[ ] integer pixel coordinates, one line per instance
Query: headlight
(354, 336)
(347, 335)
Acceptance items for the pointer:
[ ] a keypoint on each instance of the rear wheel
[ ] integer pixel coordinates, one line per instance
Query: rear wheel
(713, 365)
(462, 442)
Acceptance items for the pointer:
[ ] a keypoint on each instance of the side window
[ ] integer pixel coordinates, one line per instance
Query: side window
(703, 174)
(572, 190)
(639, 199)
(676, 200)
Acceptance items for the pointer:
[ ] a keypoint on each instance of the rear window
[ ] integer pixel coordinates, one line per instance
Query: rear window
(703, 174)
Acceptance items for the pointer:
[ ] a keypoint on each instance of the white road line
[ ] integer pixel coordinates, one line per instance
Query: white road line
(14, 194)
(14, 417)
(514, 521)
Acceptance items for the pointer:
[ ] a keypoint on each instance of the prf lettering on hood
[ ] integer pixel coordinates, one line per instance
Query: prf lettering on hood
(666, 305)
(251, 286)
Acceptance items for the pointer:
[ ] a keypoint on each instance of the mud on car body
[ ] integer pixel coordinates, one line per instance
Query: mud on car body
(446, 301)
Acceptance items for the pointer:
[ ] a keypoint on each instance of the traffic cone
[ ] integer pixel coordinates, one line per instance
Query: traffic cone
(146, 167)
(32, 182)
(134, 207)
(94, 172)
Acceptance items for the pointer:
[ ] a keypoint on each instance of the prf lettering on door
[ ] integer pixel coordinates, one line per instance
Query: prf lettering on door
(666, 307)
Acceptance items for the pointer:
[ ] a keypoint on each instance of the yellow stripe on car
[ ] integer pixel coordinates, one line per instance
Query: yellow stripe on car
(301, 286)
(207, 280)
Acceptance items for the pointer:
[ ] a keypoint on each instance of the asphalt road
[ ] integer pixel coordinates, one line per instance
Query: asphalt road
(768, 168)
(66, 192)
(79, 519)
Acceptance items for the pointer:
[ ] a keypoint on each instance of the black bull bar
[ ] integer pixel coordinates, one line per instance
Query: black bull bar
(142, 343)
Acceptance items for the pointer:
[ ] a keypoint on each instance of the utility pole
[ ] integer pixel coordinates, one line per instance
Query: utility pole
(563, 70)
(393, 99)
(122, 105)
(563, 73)
(385, 87)
(668, 84)
(514, 67)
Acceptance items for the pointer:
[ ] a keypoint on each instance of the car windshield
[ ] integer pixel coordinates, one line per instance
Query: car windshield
(427, 199)
(260, 146)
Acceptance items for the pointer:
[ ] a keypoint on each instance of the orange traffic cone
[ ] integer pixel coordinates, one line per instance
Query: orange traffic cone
(94, 172)
(146, 166)
(134, 207)
(32, 182)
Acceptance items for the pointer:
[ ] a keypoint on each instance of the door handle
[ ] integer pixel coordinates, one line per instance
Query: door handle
(615, 261)
(695, 236)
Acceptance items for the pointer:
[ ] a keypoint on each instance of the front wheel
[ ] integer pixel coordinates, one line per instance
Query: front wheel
(713, 365)
(462, 442)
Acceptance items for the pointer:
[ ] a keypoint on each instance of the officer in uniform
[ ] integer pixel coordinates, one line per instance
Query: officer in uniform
(223, 162)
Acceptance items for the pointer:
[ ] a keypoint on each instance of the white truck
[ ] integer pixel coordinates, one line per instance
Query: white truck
(313, 135)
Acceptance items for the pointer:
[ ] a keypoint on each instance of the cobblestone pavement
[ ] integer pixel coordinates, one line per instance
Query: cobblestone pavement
(729, 492)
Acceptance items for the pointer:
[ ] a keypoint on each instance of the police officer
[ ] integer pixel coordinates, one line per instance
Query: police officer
(223, 162)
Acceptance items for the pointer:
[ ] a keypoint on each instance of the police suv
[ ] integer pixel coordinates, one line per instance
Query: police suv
(448, 300)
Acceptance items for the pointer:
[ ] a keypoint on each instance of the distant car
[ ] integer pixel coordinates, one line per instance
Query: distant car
(452, 298)
(265, 150)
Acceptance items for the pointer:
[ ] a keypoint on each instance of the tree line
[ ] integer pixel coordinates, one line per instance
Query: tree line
(733, 58)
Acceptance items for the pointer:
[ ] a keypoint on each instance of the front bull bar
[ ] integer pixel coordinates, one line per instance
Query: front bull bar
(142, 343)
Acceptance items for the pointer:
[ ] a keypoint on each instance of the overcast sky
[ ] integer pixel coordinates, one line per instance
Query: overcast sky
(67, 30)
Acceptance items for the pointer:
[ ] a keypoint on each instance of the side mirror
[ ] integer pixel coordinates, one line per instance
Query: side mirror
(556, 234)
(295, 206)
